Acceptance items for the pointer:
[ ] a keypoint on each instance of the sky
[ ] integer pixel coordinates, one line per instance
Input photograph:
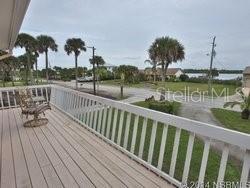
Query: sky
(123, 30)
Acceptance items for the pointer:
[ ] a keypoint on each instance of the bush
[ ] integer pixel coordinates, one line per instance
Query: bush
(184, 77)
(166, 106)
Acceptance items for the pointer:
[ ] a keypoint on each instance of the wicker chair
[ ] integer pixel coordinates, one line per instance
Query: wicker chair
(28, 107)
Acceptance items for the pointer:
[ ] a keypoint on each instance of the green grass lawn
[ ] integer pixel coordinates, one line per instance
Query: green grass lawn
(232, 172)
(232, 120)
(178, 86)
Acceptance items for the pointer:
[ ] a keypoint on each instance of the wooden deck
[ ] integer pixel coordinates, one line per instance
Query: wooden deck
(63, 154)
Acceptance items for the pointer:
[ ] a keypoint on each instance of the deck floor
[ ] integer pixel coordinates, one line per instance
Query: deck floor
(63, 154)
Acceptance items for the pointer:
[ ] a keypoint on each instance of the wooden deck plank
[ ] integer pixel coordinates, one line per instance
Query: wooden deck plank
(64, 154)
(21, 171)
(141, 174)
(107, 163)
(90, 172)
(36, 175)
(62, 171)
(8, 179)
(76, 172)
(97, 165)
(49, 172)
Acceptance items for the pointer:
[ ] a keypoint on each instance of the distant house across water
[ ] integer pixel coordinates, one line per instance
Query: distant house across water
(246, 77)
(171, 72)
(109, 67)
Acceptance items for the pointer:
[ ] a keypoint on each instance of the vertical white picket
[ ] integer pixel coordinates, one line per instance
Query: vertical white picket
(114, 125)
(109, 121)
(1, 99)
(128, 120)
(204, 161)
(135, 128)
(8, 97)
(188, 157)
(223, 164)
(152, 142)
(163, 145)
(245, 169)
(143, 135)
(100, 120)
(120, 128)
(175, 152)
(104, 119)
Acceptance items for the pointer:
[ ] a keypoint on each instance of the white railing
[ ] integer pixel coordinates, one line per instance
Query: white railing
(128, 128)
(8, 99)
(118, 123)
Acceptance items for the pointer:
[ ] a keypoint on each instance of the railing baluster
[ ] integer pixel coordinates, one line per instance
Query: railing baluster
(92, 114)
(1, 99)
(36, 92)
(163, 145)
(175, 152)
(95, 119)
(104, 119)
(47, 96)
(109, 121)
(114, 125)
(8, 98)
(188, 157)
(120, 128)
(152, 142)
(204, 162)
(135, 128)
(128, 120)
(89, 113)
(14, 96)
(143, 135)
(223, 164)
(100, 120)
(245, 169)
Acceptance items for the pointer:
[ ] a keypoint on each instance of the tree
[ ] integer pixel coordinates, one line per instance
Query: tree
(167, 51)
(98, 62)
(152, 60)
(244, 104)
(75, 45)
(46, 43)
(11, 65)
(127, 74)
(30, 44)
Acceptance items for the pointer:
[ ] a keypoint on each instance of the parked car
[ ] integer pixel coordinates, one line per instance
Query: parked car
(85, 79)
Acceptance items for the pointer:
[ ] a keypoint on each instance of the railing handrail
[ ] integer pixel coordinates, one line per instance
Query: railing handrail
(22, 87)
(204, 129)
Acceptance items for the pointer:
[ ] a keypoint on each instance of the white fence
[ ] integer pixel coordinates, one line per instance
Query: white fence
(8, 99)
(142, 133)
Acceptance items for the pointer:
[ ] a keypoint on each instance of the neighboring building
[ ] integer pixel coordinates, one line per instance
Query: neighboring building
(109, 67)
(246, 77)
(171, 72)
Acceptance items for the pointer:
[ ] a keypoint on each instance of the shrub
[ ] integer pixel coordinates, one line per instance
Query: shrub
(165, 106)
(184, 77)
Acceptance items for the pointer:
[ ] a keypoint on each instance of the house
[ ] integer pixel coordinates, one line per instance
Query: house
(246, 77)
(171, 72)
(109, 67)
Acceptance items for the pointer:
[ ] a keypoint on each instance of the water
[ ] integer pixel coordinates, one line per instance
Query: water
(220, 77)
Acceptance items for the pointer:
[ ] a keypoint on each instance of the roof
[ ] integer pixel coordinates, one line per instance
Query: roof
(247, 70)
(170, 71)
(11, 17)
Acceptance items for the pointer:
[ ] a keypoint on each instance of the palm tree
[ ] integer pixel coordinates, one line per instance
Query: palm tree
(12, 65)
(98, 61)
(75, 45)
(244, 104)
(30, 44)
(152, 60)
(46, 43)
(165, 51)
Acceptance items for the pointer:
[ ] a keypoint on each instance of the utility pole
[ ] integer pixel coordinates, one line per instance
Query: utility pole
(210, 76)
(93, 62)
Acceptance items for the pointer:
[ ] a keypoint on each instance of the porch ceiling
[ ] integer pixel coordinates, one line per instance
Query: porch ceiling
(11, 16)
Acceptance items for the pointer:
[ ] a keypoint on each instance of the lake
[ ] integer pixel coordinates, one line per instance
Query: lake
(220, 77)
